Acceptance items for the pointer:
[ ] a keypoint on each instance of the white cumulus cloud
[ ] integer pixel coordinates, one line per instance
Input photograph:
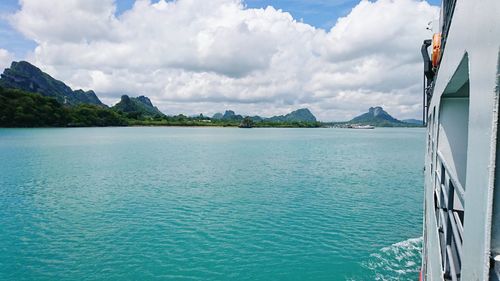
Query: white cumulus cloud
(5, 59)
(205, 56)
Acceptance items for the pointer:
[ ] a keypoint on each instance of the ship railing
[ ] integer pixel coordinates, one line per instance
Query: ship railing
(447, 9)
(449, 200)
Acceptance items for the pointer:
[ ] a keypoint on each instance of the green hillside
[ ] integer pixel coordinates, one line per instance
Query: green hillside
(29, 78)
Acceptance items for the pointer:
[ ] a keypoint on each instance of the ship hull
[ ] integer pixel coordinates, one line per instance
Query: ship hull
(462, 201)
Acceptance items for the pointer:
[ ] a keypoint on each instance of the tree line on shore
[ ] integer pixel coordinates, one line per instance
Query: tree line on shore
(23, 109)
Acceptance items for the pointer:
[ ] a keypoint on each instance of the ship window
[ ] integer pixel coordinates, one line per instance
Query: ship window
(453, 127)
(451, 159)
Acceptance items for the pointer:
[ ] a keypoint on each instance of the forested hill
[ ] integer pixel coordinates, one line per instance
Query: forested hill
(137, 106)
(27, 77)
(377, 116)
(299, 115)
(22, 109)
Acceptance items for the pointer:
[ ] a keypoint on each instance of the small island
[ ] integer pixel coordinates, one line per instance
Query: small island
(375, 117)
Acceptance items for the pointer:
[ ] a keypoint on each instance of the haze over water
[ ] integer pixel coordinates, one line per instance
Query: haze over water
(210, 204)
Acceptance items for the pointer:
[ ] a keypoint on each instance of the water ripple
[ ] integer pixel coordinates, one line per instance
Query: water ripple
(209, 204)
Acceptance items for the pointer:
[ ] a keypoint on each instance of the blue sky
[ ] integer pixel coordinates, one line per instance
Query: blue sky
(319, 13)
(12, 40)
(198, 57)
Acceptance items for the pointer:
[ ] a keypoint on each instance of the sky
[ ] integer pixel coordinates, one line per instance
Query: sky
(265, 57)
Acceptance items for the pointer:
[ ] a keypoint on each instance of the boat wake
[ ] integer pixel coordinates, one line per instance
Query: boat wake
(400, 261)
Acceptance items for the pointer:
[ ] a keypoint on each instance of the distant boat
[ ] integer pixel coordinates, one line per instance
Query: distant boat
(361, 127)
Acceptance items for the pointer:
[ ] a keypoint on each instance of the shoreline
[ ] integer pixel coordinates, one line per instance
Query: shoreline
(144, 126)
(231, 127)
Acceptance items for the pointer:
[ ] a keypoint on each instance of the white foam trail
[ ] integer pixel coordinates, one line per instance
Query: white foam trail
(400, 261)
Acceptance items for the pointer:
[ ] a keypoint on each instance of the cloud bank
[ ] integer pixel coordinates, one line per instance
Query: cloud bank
(197, 56)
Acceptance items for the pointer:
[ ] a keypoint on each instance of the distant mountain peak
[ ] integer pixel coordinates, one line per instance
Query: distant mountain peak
(217, 116)
(304, 111)
(231, 115)
(24, 76)
(141, 104)
(145, 100)
(377, 110)
(299, 115)
(25, 66)
(376, 116)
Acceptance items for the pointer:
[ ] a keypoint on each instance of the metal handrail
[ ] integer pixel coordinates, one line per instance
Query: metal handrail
(448, 10)
(449, 221)
(456, 236)
(456, 183)
(460, 226)
(456, 224)
(453, 270)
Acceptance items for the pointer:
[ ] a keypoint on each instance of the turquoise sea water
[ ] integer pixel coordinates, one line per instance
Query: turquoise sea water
(210, 204)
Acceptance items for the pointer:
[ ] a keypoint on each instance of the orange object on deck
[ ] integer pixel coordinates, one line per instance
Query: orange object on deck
(436, 49)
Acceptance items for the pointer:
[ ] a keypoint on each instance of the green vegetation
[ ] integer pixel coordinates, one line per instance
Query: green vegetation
(20, 109)
(87, 115)
(385, 124)
(184, 121)
(32, 98)
(27, 77)
(303, 115)
(296, 124)
(247, 122)
(135, 107)
(23, 109)
(376, 116)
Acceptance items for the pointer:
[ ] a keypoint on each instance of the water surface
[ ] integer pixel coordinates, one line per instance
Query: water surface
(210, 204)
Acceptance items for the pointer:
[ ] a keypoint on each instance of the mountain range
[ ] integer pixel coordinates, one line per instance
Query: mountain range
(300, 115)
(26, 77)
(29, 78)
